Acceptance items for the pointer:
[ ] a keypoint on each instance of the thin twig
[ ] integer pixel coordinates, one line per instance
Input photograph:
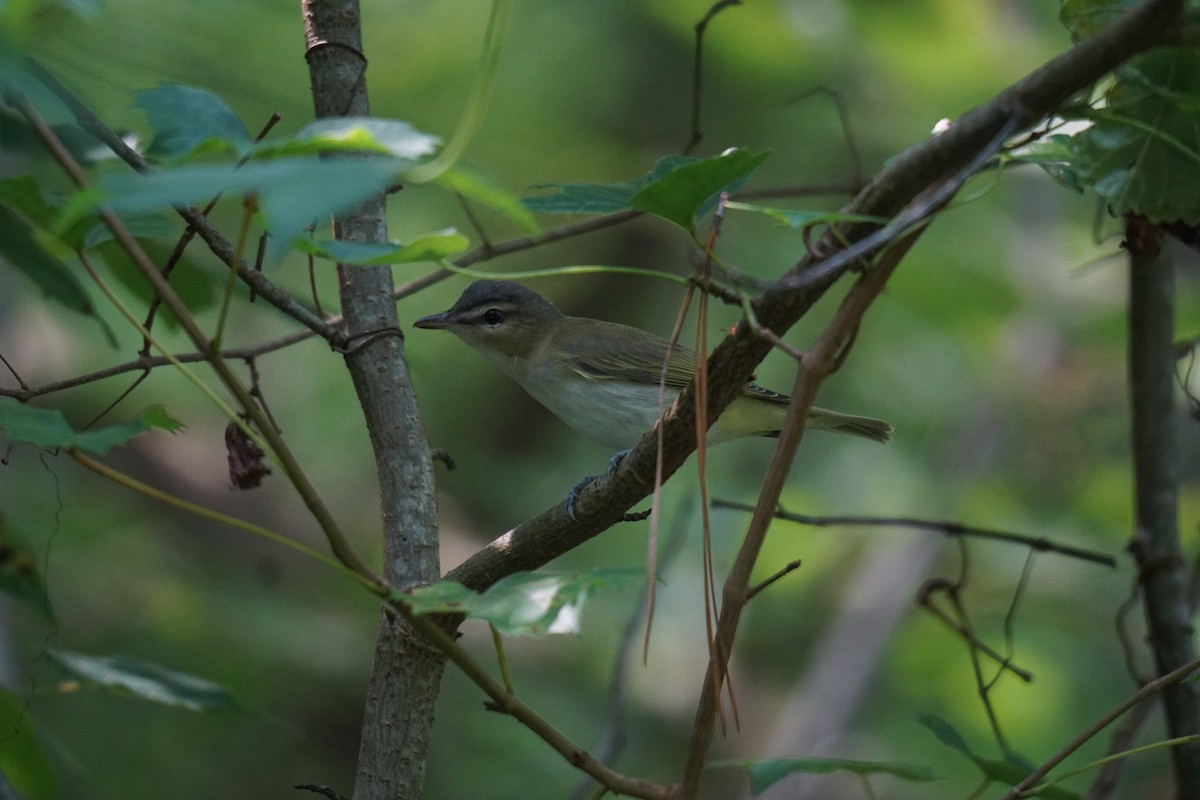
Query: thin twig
(1149, 690)
(947, 527)
(924, 598)
(811, 370)
(698, 72)
(338, 542)
(788, 568)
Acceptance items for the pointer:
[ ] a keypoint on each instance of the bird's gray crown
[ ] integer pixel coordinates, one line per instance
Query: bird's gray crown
(505, 293)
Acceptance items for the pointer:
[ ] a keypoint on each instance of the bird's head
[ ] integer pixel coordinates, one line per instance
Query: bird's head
(497, 318)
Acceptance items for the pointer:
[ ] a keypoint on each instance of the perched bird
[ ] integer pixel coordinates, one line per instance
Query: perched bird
(602, 378)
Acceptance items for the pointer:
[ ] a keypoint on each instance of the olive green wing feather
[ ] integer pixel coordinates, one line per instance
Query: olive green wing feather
(608, 351)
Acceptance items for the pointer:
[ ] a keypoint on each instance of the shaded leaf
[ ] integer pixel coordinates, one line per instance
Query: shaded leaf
(1008, 771)
(19, 573)
(1085, 18)
(524, 603)
(945, 733)
(21, 250)
(430, 247)
(1055, 155)
(600, 198)
(796, 219)
(25, 195)
(131, 677)
(188, 120)
(474, 186)
(292, 192)
(765, 773)
(23, 760)
(691, 190)
(140, 226)
(1142, 151)
(47, 427)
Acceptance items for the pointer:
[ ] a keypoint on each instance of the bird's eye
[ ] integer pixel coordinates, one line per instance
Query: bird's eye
(493, 316)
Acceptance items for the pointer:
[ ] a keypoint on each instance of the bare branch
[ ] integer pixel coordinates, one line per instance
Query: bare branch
(947, 527)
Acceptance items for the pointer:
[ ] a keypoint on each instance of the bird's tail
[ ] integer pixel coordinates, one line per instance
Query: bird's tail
(874, 429)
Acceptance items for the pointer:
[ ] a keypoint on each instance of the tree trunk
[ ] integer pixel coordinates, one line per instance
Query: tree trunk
(1155, 543)
(398, 719)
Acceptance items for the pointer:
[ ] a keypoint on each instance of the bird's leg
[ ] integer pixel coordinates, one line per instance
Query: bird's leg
(613, 463)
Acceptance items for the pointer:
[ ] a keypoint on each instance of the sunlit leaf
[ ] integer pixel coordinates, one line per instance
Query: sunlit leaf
(525, 603)
(47, 427)
(765, 773)
(358, 134)
(20, 576)
(143, 680)
(188, 119)
(430, 247)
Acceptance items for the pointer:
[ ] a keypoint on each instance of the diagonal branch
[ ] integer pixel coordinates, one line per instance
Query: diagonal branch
(817, 363)
(1034, 97)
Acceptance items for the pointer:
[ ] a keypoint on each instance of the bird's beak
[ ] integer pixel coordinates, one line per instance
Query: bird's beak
(435, 321)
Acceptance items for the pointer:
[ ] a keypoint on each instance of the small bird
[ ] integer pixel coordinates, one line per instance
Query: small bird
(602, 378)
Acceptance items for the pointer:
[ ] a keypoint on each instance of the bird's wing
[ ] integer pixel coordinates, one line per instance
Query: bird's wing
(759, 393)
(639, 358)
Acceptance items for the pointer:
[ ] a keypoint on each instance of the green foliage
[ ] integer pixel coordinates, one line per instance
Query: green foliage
(1140, 148)
(293, 187)
(1085, 18)
(23, 761)
(690, 190)
(188, 120)
(27, 217)
(678, 189)
(21, 250)
(291, 192)
(430, 247)
(19, 573)
(1142, 152)
(388, 137)
(474, 186)
(21, 19)
(765, 773)
(1008, 771)
(47, 427)
(953, 352)
(131, 677)
(525, 603)
(797, 219)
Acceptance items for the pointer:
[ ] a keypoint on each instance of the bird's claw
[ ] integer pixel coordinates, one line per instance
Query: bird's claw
(573, 495)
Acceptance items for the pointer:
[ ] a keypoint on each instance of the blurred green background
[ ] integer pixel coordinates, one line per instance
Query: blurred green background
(996, 352)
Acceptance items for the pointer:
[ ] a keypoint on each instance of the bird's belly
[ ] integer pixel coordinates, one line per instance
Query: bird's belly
(608, 412)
